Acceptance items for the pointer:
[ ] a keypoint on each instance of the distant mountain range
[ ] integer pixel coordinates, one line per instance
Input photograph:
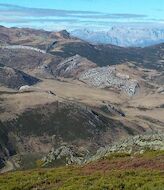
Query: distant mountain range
(123, 36)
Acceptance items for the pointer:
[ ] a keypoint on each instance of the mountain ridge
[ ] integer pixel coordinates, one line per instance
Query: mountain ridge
(122, 36)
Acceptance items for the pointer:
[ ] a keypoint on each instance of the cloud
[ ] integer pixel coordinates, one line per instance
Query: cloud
(39, 12)
(13, 15)
(113, 16)
(7, 9)
(30, 20)
(159, 10)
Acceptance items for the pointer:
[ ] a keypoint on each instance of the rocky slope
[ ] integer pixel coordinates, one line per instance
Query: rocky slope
(37, 131)
(106, 77)
(103, 55)
(118, 171)
(123, 36)
(20, 58)
(13, 78)
(73, 67)
(136, 145)
(132, 146)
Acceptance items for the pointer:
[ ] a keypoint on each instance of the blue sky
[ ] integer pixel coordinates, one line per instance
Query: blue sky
(73, 14)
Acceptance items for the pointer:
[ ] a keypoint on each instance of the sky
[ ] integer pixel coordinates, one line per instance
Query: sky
(75, 14)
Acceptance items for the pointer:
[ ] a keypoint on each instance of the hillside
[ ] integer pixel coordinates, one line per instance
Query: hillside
(55, 112)
(62, 45)
(83, 96)
(149, 57)
(30, 37)
(117, 171)
(13, 78)
(36, 131)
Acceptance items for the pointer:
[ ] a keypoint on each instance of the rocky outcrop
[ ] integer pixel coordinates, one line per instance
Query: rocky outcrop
(106, 77)
(44, 71)
(73, 66)
(68, 155)
(22, 47)
(111, 109)
(64, 154)
(137, 144)
(160, 90)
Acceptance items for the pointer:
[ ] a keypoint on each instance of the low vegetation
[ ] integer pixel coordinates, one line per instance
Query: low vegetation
(98, 175)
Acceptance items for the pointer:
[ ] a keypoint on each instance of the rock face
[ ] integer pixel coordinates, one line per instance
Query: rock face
(13, 78)
(106, 77)
(73, 66)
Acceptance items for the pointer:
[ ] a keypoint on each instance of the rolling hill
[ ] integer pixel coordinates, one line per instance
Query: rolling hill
(79, 100)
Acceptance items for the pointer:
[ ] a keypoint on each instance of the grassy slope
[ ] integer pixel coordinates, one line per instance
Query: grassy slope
(69, 121)
(119, 171)
(104, 55)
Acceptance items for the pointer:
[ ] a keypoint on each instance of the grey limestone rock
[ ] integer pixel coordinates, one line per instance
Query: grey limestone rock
(106, 77)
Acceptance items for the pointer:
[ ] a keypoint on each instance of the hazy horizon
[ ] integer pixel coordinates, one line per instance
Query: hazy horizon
(70, 15)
